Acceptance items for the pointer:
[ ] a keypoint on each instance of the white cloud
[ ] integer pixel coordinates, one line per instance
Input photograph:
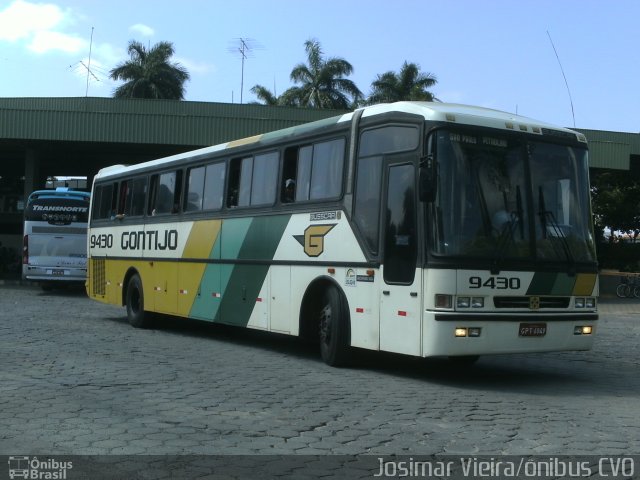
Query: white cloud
(42, 42)
(20, 20)
(142, 29)
(193, 66)
(40, 27)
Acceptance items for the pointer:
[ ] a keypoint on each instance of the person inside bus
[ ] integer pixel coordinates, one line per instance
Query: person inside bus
(289, 191)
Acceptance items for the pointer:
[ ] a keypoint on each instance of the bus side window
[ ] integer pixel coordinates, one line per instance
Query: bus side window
(122, 198)
(303, 177)
(318, 170)
(214, 186)
(289, 175)
(326, 173)
(240, 175)
(136, 193)
(265, 179)
(194, 189)
(102, 202)
(165, 193)
(367, 199)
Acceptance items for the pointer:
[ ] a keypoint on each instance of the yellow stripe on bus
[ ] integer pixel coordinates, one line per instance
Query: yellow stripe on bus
(585, 282)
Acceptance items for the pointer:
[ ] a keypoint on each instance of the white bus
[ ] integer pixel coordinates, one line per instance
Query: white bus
(54, 249)
(426, 229)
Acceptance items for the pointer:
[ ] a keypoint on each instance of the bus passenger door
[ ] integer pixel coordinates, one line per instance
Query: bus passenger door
(400, 302)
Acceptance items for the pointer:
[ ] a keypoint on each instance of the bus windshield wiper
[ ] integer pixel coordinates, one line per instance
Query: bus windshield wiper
(507, 233)
(547, 219)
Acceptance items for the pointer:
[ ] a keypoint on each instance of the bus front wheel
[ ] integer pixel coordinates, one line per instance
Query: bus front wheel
(334, 328)
(135, 303)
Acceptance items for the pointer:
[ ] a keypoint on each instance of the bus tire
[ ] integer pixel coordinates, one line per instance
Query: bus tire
(333, 320)
(135, 303)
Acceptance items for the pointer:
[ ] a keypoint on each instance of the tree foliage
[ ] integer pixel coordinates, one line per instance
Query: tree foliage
(616, 200)
(408, 84)
(265, 95)
(149, 73)
(322, 81)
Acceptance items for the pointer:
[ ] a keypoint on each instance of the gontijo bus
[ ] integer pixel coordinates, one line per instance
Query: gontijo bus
(54, 248)
(426, 229)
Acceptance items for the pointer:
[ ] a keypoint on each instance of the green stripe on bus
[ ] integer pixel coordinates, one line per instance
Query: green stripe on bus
(206, 305)
(245, 281)
(547, 283)
(228, 291)
(542, 283)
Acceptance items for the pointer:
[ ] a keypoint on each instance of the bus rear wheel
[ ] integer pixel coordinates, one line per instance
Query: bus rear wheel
(334, 328)
(135, 303)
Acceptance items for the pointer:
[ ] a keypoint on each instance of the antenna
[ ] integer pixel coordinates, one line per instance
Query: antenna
(565, 79)
(245, 47)
(80, 66)
(86, 93)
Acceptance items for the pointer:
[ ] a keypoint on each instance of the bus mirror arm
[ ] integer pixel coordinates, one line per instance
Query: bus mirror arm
(427, 181)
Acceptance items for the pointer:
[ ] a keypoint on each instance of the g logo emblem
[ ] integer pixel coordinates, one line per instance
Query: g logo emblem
(534, 303)
(313, 239)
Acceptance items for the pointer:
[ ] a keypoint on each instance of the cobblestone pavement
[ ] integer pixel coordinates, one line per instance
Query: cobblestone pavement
(75, 378)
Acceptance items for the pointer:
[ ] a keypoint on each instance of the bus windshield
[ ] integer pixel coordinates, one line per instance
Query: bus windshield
(506, 197)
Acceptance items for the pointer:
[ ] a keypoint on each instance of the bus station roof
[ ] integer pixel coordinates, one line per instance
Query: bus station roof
(186, 124)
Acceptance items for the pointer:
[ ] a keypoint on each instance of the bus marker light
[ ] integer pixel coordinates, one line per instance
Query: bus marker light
(474, 331)
(331, 270)
(371, 273)
(477, 302)
(460, 332)
(444, 301)
(259, 299)
(463, 302)
(402, 313)
(215, 294)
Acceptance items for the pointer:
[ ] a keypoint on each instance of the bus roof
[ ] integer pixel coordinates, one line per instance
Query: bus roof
(433, 111)
(58, 193)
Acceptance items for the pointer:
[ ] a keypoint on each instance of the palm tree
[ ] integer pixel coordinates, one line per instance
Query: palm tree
(408, 84)
(149, 73)
(322, 81)
(265, 95)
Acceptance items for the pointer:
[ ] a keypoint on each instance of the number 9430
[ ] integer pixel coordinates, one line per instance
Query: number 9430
(497, 283)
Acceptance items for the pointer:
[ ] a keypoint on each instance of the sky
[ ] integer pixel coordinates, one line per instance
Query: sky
(574, 63)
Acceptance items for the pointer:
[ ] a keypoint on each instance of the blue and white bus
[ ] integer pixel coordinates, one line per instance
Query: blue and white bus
(54, 249)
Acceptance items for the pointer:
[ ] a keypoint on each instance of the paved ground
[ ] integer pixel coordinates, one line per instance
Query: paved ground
(75, 378)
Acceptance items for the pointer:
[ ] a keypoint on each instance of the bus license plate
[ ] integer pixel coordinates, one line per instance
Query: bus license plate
(57, 272)
(532, 329)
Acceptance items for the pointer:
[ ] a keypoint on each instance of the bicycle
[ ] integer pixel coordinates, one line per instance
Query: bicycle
(629, 286)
